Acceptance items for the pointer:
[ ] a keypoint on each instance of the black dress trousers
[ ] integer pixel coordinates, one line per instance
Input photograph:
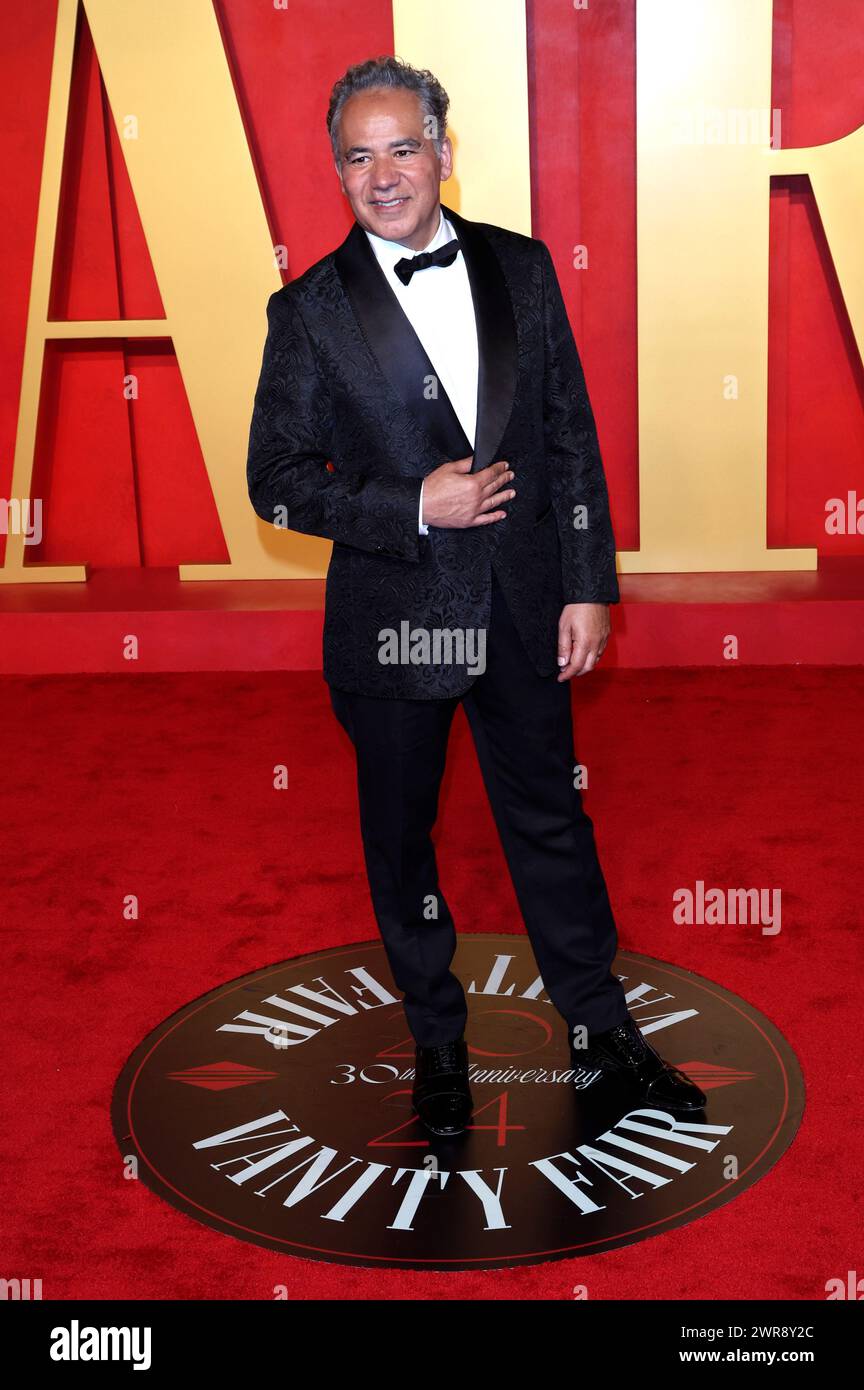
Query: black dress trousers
(522, 728)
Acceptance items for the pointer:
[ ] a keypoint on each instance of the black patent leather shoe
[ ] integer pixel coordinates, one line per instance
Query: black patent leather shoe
(442, 1096)
(623, 1051)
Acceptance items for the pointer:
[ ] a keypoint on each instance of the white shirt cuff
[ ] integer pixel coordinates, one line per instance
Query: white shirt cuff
(424, 530)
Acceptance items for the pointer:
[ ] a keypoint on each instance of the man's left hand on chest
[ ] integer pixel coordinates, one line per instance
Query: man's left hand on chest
(583, 631)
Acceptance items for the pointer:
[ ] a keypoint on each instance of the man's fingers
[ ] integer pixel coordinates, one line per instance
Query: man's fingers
(496, 499)
(581, 656)
(581, 640)
(495, 484)
(574, 667)
(494, 477)
(489, 508)
(491, 471)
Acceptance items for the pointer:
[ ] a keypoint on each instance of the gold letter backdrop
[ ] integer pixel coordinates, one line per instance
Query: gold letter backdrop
(702, 208)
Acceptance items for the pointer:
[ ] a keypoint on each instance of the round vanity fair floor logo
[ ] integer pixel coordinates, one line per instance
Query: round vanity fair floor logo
(277, 1109)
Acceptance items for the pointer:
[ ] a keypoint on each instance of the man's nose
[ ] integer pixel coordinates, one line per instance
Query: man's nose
(385, 175)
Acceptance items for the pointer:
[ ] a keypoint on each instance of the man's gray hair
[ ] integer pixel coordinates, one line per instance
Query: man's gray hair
(390, 72)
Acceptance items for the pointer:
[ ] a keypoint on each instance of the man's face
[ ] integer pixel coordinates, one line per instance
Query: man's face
(388, 167)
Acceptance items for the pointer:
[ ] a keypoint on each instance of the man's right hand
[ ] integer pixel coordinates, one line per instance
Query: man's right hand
(454, 496)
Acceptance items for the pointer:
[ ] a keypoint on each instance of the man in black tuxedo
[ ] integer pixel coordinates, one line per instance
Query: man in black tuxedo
(428, 414)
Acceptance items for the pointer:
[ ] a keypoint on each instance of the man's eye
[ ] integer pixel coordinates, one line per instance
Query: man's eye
(361, 158)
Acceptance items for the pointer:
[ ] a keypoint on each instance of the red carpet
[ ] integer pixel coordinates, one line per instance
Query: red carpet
(161, 787)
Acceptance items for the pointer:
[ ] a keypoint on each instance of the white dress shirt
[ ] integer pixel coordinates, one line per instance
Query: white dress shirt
(440, 307)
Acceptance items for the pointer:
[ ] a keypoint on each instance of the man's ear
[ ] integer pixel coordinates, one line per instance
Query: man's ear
(446, 158)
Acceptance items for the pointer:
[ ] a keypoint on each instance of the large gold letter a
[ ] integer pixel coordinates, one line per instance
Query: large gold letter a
(191, 171)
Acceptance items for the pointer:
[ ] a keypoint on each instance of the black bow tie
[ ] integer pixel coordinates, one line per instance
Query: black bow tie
(445, 255)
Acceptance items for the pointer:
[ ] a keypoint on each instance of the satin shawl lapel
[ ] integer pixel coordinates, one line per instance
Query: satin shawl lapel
(496, 338)
(403, 359)
(399, 352)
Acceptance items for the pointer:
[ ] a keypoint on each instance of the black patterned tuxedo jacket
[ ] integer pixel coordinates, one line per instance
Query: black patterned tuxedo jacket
(345, 427)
